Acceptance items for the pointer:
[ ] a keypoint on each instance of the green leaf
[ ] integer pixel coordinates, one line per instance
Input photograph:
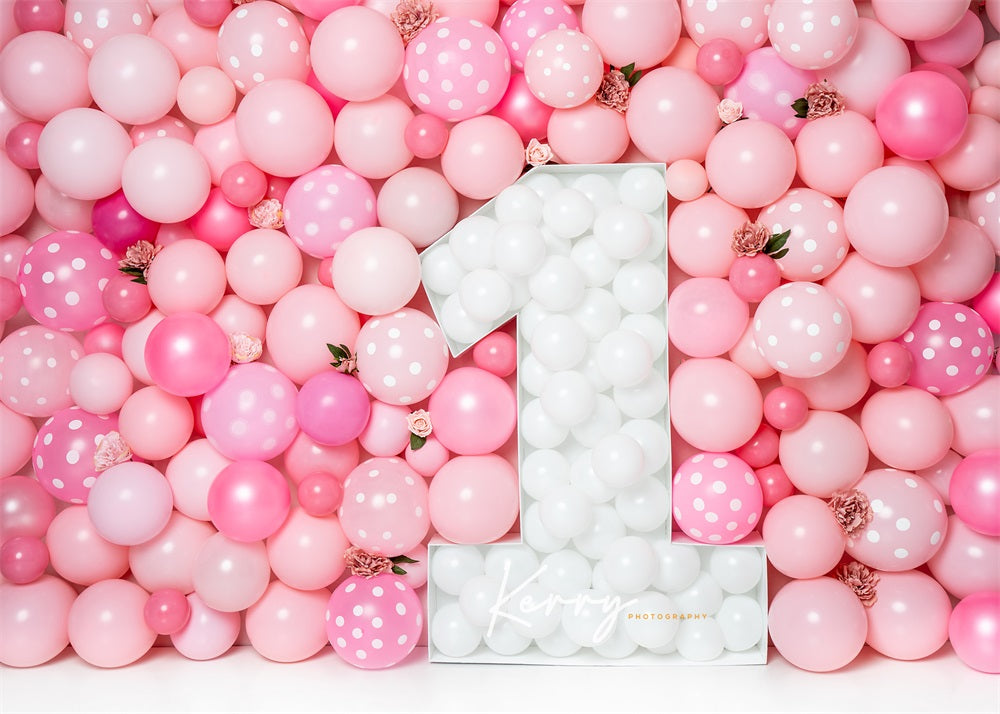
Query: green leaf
(776, 242)
(628, 69)
(635, 77)
(403, 559)
(397, 570)
(337, 351)
(801, 107)
(780, 254)
(416, 442)
(138, 275)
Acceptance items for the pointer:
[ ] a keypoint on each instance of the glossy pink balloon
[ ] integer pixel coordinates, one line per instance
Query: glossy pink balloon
(426, 135)
(166, 611)
(34, 619)
(155, 424)
(496, 353)
(972, 630)
(761, 449)
(474, 411)
(332, 408)
(286, 624)
(802, 537)
(64, 450)
(23, 559)
(522, 110)
(244, 185)
(25, 508)
(353, 37)
(262, 43)
(320, 494)
(79, 554)
(106, 624)
(921, 115)
(719, 61)
(785, 408)
(187, 354)
(229, 575)
(672, 115)
(167, 561)
(248, 501)
(484, 155)
(385, 507)
(37, 364)
(22, 144)
(118, 225)
(974, 491)
(909, 618)
(218, 222)
(473, 499)
(767, 86)
(208, 633)
(717, 406)
(307, 552)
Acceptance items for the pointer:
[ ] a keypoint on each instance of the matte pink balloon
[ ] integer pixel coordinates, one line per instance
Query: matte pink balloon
(633, 31)
(369, 137)
(43, 74)
(23, 559)
(823, 166)
(774, 484)
(972, 630)
(717, 405)
(25, 508)
(352, 37)
(166, 126)
(251, 413)
(190, 473)
(426, 135)
(474, 499)
(696, 300)
(60, 211)
(220, 146)
(37, 364)
(186, 276)
(907, 428)
(248, 500)
(496, 353)
(767, 86)
(951, 347)
(683, 126)
(83, 153)
(167, 561)
(386, 612)
(166, 180)
(305, 457)
(960, 268)
(967, 561)
(588, 133)
(716, 498)
(133, 78)
(207, 13)
(286, 624)
(563, 68)
(429, 458)
(967, 165)
(130, 503)
(909, 618)
(889, 364)
(376, 271)
(206, 95)
(921, 115)
(700, 234)
(744, 23)
(325, 206)
(155, 423)
(802, 537)
(882, 301)
(387, 432)
(34, 619)
(828, 453)
(474, 411)
(64, 450)
(208, 633)
(320, 494)
(307, 552)
(191, 44)
(17, 182)
(527, 20)
(484, 155)
(812, 36)
(79, 554)
(106, 624)
(418, 203)
(974, 491)
(19, 435)
(332, 408)
(187, 354)
(257, 44)
(385, 507)
(244, 185)
(229, 575)
(876, 59)
(522, 110)
(761, 449)
(958, 46)
(166, 611)
(976, 416)
(921, 20)
(750, 163)
(263, 265)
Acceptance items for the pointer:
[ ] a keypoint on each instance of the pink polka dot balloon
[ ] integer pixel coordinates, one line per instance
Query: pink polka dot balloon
(262, 41)
(951, 346)
(63, 454)
(324, 206)
(401, 357)
(456, 68)
(766, 88)
(251, 414)
(812, 35)
(564, 68)
(717, 498)
(90, 23)
(385, 507)
(908, 521)
(802, 330)
(527, 20)
(35, 367)
(817, 244)
(984, 211)
(62, 277)
(374, 623)
(745, 23)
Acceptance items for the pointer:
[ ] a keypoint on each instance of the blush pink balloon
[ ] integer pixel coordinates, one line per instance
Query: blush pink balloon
(563, 68)
(77, 551)
(286, 624)
(474, 499)
(907, 428)
(484, 155)
(133, 78)
(589, 133)
(717, 405)
(353, 37)
(384, 509)
(821, 163)
(716, 498)
(750, 163)
(672, 115)
(960, 268)
(974, 491)
(34, 619)
(206, 95)
(699, 299)
(208, 633)
(220, 146)
(325, 206)
(387, 613)
(83, 153)
(106, 624)
(826, 454)
(262, 265)
(305, 457)
(527, 20)
(166, 611)
(376, 271)
(877, 58)
(921, 20)
(19, 435)
(426, 135)
(261, 43)
(743, 23)
(882, 301)
(61, 211)
(958, 46)
(767, 86)
(633, 30)
(307, 552)
(25, 508)
(155, 424)
(817, 244)
(17, 182)
(951, 347)
(812, 36)
(699, 235)
(190, 473)
(440, 61)
(840, 388)
(967, 561)
(90, 25)
(332, 408)
(429, 458)
(64, 450)
(909, 618)
(387, 432)
(475, 411)
(43, 74)
(130, 503)
(23, 559)
(37, 364)
(976, 416)
(369, 137)
(967, 165)
(523, 110)
(229, 575)
(131, 344)
(248, 501)
(218, 222)
(186, 276)
(251, 413)
(166, 180)
(802, 537)
(418, 203)
(187, 354)
(167, 560)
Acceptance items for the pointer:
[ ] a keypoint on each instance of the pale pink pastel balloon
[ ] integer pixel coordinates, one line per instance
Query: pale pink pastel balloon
(920, 20)
(824, 166)
(700, 234)
(286, 624)
(484, 155)
(262, 265)
(166, 180)
(429, 458)
(564, 68)
(951, 346)
(672, 115)
(285, 127)
(750, 163)
(961, 266)
(958, 46)
(716, 405)
(155, 424)
(325, 206)
(841, 387)
(82, 153)
(63, 453)
(744, 23)
(802, 537)
(384, 509)
(909, 619)
(591, 133)
(167, 561)
(37, 363)
(984, 210)
(485, 11)
(191, 44)
(745, 355)
(376, 271)
(206, 95)
(967, 166)
(699, 299)
(976, 416)
(190, 473)
(133, 78)
(251, 414)
(208, 633)
(967, 561)
(262, 42)
(56, 208)
(767, 86)
(817, 244)
(419, 203)
(229, 575)
(812, 36)
(716, 498)
(19, 435)
(882, 301)
(133, 345)
(686, 180)
(34, 619)
(12, 247)
(907, 427)
(456, 68)
(77, 551)
(307, 553)
(474, 499)
(130, 503)
(220, 146)
(369, 137)
(305, 457)
(386, 612)
(402, 357)
(826, 454)
(877, 58)
(908, 524)
(91, 24)
(234, 314)
(387, 432)
(633, 30)
(895, 201)
(939, 475)
(62, 277)
(42, 74)
(527, 20)
(186, 276)
(106, 624)
(352, 37)
(300, 326)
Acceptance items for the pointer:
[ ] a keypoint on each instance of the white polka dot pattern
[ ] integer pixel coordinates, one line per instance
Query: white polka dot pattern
(951, 346)
(63, 454)
(262, 41)
(812, 35)
(817, 244)
(716, 498)
(527, 20)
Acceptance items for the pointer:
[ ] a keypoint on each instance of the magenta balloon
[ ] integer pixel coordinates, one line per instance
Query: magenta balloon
(166, 611)
(23, 559)
(218, 222)
(921, 115)
(909, 618)
(974, 491)
(802, 537)
(117, 225)
(187, 354)
(34, 620)
(106, 624)
(474, 411)
(523, 110)
(208, 633)
(248, 501)
(25, 507)
(972, 630)
(332, 408)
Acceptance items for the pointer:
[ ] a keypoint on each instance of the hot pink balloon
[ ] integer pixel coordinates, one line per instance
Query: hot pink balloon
(441, 62)
(130, 503)
(909, 618)
(187, 354)
(385, 611)
(473, 411)
(106, 624)
(43, 74)
(248, 501)
(974, 491)
(951, 347)
(352, 37)
(251, 413)
(37, 364)
(812, 36)
(38, 15)
(218, 222)
(716, 498)
(325, 206)
(744, 23)
(118, 225)
(385, 507)
(63, 455)
(750, 163)
(261, 43)
(527, 20)
(683, 126)
(208, 633)
(523, 110)
(166, 611)
(921, 115)
(332, 408)
(767, 86)
(972, 630)
(474, 499)
(802, 536)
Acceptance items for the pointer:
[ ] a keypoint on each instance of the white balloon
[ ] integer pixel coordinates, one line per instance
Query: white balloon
(529, 318)
(485, 295)
(519, 295)
(543, 471)
(599, 580)
(703, 596)
(640, 286)
(557, 284)
(605, 420)
(657, 240)
(652, 330)
(478, 598)
(440, 269)
(519, 248)
(618, 460)
(699, 640)
(592, 369)
(534, 533)
(545, 185)
(736, 569)
(535, 612)
(598, 313)
(558, 342)
(568, 398)
(607, 528)
(582, 476)
(516, 562)
(452, 566)
(648, 620)
(589, 620)
(598, 190)
(741, 621)
(566, 573)
(624, 358)
(646, 399)
(558, 644)
(596, 266)
(680, 566)
(568, 213)
(472, 240)
(538, 429)
(642, 188)
(654, 441)
(452, 634)
(460, 325)
(566, 512)
(518, 203)
(629, 565)
(505, 640)
(645, 506)
(622, 232)
(666, 649)
(557, 245)
(618, 645)
(533, 375)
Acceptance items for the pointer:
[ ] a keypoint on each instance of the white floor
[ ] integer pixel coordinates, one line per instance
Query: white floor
(242, 681)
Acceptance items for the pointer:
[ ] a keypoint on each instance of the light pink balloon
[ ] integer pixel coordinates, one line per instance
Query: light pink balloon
(429, 458)
(352, 37)
(824, 166)
(166, 180)
(812, 36)
(802, 537)
(527, 20)
(767, 86)
(20, 193)
(251, 413)
(672, 115)
(908, 525)
(191, 44)
(78, 553)
(155, 424)
(133, 78)
(167, 560)
(841, 387)
(305, 457)
(63, 454)
(716, 498)
(951, 346)
(234, 314)
(686, 180)
(260, 43)
(633, 30)
(325, 206)
(59, 210)
(591, 133)
(484, 155)
(716, 405)
(82, 153)
(442, 59)
(307, 553)
(699, 299)
(208, 633)
(474, 411)
(106, 624)
(877, 58)
(384, 509)
(828, 453)
(419, 203)
(387, 432)
(700, 234)
(958, 46)
(130, 503)
(474, 499)
(42, 74)
(206, 95)
(262, 265)
(229, 575)
(563, 68)
(37, 363)
(369, 136)
(34, 619)
(220, 146)
(909, 618)
(376, 271)
(920, 20)
(91, 24)
(750, 163)
(186, 276)
(744, 23)
(967, 561)
(300, 326)
(287, 624)
(285, 127)
(882, 301)
(960, 267)
(190, 473)
(19, 435)
(133, 345)
(967, 166)
(976, 416)
(939, 475)
(907, 428)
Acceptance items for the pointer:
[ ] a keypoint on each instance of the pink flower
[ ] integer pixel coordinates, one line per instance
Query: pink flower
(244, 348)
(412, 16)
(266, 214)
(364, 564)
(750, 238)
(111, 450)
(419, 423)
(138, 257)
(852, 510)
(730, 111)
(537, 153)
(824, 100)
(861, 580)
(614, 91)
